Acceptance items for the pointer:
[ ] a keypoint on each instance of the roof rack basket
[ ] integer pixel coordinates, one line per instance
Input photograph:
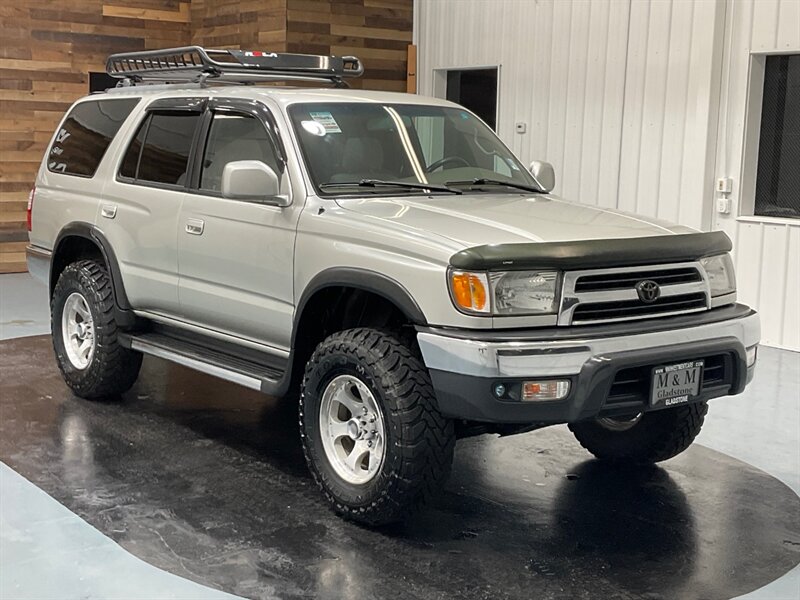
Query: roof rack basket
(196, 64)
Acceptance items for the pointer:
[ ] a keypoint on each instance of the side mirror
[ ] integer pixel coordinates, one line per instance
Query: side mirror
(252, 180)
(544, 173)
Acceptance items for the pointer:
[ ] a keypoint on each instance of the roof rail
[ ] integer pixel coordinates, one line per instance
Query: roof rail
(196, 64)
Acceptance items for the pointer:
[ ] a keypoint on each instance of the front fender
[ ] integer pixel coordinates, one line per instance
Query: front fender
(367, 280)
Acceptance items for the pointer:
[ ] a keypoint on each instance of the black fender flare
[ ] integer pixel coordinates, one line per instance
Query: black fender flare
(123, 312)
(362, 279)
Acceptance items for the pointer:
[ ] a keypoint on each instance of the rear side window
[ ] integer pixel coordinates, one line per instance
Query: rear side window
(84, 137)
(159, 153)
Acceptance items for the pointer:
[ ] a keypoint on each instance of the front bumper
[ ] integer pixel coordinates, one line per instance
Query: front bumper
(465, 368)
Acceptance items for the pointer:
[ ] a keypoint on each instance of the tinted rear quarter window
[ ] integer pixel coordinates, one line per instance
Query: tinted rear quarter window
(160, 151)
(83, 138)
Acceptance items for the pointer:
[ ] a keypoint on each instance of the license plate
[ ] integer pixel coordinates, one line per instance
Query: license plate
(676, 384)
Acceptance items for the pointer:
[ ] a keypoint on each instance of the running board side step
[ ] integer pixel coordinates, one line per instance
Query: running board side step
(240, 370)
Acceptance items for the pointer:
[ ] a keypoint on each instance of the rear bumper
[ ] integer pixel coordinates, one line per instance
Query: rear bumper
(38, 260)
(465, 371)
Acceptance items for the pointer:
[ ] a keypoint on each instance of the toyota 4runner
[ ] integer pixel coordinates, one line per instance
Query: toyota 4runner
(381, 259)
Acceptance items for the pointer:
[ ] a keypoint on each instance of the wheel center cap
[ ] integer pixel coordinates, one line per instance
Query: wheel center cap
(353, 429)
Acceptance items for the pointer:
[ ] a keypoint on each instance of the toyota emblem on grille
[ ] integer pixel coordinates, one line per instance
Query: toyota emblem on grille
(648, 291)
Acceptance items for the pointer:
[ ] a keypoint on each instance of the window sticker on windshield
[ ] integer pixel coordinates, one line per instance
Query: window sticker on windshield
(327, 121)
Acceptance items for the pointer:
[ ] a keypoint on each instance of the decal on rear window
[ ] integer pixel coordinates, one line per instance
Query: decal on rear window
(85, 135)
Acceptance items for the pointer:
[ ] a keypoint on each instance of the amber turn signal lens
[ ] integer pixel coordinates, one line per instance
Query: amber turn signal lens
(470, 291)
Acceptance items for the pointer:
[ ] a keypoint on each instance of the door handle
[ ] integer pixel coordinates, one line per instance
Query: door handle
(195, 226)
(109, 211)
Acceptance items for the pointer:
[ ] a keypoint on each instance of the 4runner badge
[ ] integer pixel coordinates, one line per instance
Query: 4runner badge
(648, 291)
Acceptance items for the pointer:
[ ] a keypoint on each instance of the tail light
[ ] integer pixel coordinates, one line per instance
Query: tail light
(30, 206)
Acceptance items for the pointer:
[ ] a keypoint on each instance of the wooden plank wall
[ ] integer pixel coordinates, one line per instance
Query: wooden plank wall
(377, 31)
(243, 24)
(48, 48)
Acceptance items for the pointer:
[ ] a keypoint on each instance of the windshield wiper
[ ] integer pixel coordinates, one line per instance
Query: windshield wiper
(432, 187)
(484, 181)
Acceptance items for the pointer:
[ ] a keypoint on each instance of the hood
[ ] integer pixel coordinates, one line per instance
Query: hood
(480, 219)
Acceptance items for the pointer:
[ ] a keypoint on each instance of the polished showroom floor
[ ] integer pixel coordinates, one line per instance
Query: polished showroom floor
(190, 487)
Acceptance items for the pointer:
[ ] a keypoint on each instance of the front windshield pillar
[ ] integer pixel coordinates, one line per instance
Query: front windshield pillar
(419, 171)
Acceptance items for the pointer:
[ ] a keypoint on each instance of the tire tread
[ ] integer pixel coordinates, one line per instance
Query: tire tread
(426, 439)
(670, 432)
(117, 367)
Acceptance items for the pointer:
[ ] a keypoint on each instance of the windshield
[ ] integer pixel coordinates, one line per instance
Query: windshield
(388, 144)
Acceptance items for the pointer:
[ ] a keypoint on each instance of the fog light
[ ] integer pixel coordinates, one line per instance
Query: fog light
(545, 390)
(752, 353)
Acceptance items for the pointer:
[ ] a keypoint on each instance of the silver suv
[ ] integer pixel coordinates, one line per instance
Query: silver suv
(381, 259)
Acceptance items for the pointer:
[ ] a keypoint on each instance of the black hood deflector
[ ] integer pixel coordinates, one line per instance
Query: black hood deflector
(591, 254)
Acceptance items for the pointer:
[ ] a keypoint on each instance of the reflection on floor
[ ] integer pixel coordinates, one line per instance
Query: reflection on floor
(206, 480)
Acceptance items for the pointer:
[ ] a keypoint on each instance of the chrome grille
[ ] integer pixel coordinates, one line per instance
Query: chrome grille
(602, 311)
(609, 295)
(621, 281)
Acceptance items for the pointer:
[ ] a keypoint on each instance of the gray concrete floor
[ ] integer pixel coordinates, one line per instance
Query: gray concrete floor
(23, 306)
(760, 427)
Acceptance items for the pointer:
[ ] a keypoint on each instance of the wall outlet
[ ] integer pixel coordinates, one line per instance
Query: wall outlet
(520, 127)
(724, 185)
(723, 206)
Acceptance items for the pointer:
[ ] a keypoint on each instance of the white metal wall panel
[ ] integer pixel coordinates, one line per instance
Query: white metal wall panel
(634, 102)
(702, 114)
(562, 72)
(611, 115)
(767, 251)
(790, 330)
(669, 124)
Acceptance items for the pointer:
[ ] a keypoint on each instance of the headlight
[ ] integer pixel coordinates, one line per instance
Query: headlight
(524, 292)
(505, 293)
(719, 270)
